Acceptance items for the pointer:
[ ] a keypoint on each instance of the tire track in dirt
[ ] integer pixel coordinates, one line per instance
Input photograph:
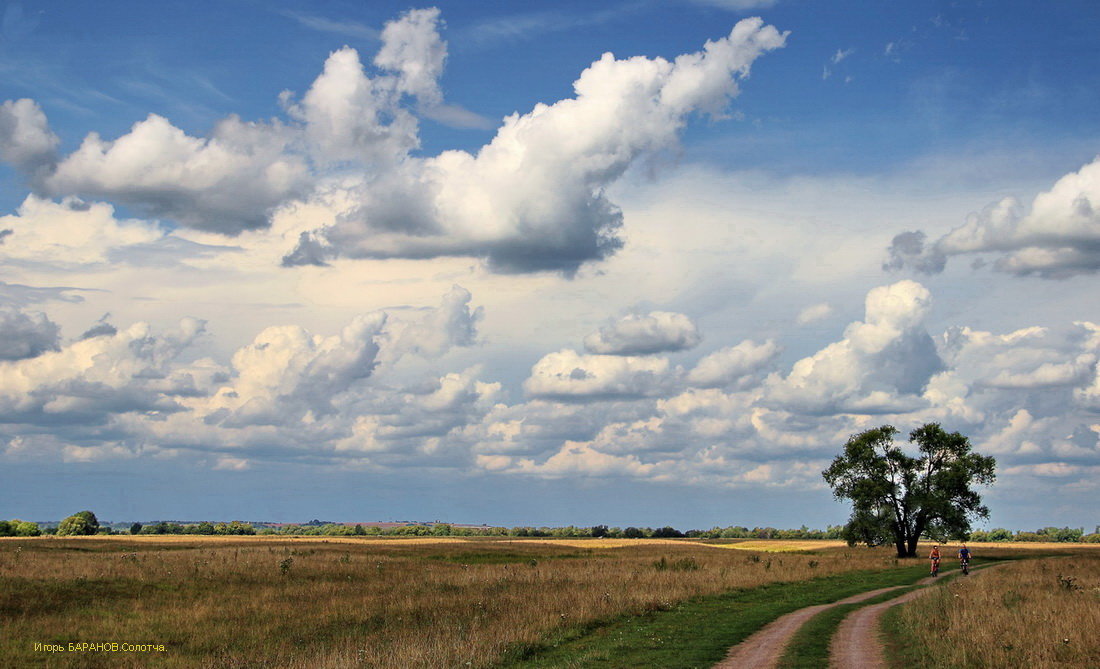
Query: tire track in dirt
(765, 647)
(856, 642)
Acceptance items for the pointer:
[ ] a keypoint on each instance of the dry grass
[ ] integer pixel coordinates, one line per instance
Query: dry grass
(226, 601)
(1037, 613)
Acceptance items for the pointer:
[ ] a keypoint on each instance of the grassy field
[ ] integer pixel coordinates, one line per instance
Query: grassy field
(1035, 613)
(420, 602)
(274, 601)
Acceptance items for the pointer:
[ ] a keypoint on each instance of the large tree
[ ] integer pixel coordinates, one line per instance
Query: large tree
(898, 498)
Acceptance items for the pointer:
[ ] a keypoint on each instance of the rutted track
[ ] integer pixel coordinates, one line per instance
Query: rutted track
(766, 647)
(855, 644)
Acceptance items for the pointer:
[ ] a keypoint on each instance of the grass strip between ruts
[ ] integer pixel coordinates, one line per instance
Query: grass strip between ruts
(696, 632)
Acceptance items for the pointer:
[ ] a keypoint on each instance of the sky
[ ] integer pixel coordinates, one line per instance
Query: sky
(542, 263)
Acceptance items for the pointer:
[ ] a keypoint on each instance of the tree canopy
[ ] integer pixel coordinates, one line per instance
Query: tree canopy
(898, 498)
(80, 523)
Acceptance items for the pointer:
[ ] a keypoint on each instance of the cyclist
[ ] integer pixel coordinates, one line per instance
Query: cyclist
(964, 559)
(934, 557)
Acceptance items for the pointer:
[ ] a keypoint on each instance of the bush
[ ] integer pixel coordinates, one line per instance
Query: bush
(683, 564)
(18, 528)
(83, 523)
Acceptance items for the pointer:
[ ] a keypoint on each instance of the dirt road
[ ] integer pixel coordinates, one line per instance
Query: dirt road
(766, 647)
(856, 642)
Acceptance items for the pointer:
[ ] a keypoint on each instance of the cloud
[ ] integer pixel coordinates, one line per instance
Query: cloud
(1058, 236)
(26, 334)
(348, 116)
(343, 26)
(70, 233)
(814, 313)
(457, 117)
(570, 375)
(636, 334)
(26, 141)
(572, 459)
(287, 375)
(908, 249)
(90, 380)
(880, 366)
(234, 179)
(416, 426)
(412, 47)
(439, 330)
(228, 182)
(534, 198)
(100, 329)
(18, 295)
(840, 55)
(737, 5)
(729, 365)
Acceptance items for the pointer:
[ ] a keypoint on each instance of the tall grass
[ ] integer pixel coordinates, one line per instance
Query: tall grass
(1038, 613)
(381, 603)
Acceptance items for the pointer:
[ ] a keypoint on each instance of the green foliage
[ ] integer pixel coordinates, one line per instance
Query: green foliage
(19, 528)
(666, 532)
(868, 526)
(906, 497)
(135, 528)
(83, 523)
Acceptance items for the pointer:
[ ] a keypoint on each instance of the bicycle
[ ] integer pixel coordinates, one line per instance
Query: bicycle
(935, 568)
(965, 566)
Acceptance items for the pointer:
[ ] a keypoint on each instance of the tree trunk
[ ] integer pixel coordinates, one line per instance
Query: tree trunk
(899, 543)
(911, 550)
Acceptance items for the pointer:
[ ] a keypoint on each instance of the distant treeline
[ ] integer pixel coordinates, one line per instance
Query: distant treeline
(20, 528)
(1058, 534)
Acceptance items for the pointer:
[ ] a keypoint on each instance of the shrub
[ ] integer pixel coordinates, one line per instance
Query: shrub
(683, 564)
(79, 524)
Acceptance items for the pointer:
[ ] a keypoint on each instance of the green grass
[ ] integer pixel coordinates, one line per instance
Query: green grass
(698, 632)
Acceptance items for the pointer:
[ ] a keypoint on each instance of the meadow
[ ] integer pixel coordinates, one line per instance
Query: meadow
(418, 602)
(427, 602)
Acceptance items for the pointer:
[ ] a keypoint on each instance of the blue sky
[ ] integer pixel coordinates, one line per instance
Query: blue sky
(370, 261)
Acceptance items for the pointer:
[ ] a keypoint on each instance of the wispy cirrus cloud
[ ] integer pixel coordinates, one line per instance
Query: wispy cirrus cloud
(344, 27)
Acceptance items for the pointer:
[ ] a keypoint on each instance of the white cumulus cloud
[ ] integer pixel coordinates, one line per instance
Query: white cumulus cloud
(1056, 237)
(880, 366)
(638, 334)
(729, 365)
(568, 374)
